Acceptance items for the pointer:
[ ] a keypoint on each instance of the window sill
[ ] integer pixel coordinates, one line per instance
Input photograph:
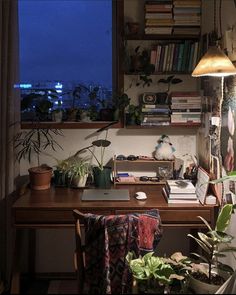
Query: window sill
(69, 125)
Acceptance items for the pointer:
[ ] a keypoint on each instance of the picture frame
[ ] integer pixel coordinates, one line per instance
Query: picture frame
(149, 98)
(202, 184)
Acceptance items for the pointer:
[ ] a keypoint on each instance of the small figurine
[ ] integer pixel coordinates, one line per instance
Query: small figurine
(164, 149)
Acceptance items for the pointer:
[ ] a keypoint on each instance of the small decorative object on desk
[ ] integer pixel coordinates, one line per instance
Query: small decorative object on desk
(164, 149)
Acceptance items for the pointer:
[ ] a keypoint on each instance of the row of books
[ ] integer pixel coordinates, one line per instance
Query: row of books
(186, 107)
(176, 56)
(180, 191)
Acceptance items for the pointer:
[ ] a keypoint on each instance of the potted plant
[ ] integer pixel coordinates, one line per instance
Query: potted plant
(120, 102)
(159, 275)
(79, 171)
(134, 115)
(36, 141)
(170, 80)
(139, 62)
(208, 276)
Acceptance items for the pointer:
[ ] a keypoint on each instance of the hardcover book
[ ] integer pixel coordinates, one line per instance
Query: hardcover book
(180, 186)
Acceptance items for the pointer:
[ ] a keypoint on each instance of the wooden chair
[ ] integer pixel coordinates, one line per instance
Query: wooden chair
(116, 247)
(79, 259)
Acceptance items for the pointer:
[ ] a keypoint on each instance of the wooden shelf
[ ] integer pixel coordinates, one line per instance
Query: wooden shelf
(144, 161)
(184, 125)
(141, 182)
(69, 125)
(160, 37)
(136, 179)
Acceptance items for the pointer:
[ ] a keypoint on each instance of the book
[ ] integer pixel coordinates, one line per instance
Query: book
(180, 186)
(190, 196)
(179, 201)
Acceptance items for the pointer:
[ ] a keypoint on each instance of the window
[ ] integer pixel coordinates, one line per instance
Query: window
(66, 50)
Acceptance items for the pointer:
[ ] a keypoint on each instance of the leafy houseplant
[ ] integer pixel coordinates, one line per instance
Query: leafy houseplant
(170, 80)
(36, 141)
(214, 245)
(120, 102)
(139, 62)
(79, 171)
(153, 274)
(101, 173)
(134, 115)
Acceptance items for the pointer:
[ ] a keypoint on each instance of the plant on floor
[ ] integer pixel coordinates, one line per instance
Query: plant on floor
(154, 274)
(214, 244)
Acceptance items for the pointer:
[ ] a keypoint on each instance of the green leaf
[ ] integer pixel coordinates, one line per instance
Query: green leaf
(101, 142)
(201, 244)
(224, 217)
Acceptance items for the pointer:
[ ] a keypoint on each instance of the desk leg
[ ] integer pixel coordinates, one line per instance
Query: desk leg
(31, 253)
(15, 281)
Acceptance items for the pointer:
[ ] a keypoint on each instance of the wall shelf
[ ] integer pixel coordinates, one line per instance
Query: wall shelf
(148, 37)
(187, 125)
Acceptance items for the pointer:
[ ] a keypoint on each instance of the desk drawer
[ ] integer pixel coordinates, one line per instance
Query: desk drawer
(178, 216)
(47, 217)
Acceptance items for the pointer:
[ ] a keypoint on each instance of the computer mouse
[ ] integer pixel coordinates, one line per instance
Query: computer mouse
(141, 196)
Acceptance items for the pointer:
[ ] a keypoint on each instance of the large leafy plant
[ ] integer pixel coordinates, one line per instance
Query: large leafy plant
(215, 244)
(158, 274)
(35, 141)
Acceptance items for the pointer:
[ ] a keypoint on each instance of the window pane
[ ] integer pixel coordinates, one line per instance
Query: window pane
(69, 42)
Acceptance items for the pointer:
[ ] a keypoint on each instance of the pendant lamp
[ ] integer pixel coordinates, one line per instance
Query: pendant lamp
(215, 62)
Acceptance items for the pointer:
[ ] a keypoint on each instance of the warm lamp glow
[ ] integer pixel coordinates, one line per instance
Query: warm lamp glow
(214, 63)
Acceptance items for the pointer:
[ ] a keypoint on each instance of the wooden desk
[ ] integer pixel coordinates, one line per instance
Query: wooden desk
(53, 209)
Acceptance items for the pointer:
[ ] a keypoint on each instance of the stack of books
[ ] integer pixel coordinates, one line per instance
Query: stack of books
(155, 114)
(186, 107)
(158, 17)
(180, 191)
(187, 17)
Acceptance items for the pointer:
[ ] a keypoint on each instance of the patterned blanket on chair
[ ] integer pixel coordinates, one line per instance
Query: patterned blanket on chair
(107, 242)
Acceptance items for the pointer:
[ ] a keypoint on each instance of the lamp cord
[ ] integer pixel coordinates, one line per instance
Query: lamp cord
(220, 19)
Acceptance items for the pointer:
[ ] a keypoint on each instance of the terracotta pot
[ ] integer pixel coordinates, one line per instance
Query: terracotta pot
(40, 177)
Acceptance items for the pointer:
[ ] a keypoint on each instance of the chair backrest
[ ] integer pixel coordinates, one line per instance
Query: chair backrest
(79, 260)
(100, 260)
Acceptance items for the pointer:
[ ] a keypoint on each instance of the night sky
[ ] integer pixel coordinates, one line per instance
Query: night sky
(66, 40)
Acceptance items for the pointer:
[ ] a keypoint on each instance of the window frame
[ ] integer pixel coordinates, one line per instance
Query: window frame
(117, 75)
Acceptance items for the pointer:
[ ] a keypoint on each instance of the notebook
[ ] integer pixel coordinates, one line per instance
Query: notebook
(105, 195)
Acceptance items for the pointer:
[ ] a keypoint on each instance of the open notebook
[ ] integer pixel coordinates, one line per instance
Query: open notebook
(105, 195)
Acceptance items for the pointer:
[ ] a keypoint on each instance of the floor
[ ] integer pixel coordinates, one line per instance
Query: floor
(45, 286)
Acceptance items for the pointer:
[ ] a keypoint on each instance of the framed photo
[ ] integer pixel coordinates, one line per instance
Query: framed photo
(202, 184)
(149, 98)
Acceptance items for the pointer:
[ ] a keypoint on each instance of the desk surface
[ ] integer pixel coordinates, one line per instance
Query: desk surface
(54, 207)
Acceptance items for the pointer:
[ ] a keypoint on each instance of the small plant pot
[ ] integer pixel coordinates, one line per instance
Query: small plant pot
(79, 181)
(106, 114)
(102, 178)
(57, 116)
(40, 177)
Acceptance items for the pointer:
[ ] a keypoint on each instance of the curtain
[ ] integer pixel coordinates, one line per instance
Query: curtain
(9, 124)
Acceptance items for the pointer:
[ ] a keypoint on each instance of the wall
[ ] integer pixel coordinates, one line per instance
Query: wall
(52, 244)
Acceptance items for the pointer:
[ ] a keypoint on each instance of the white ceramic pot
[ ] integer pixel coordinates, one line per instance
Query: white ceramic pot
(80, 181)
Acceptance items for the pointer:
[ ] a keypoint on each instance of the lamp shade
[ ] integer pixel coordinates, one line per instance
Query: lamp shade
(214, 63)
